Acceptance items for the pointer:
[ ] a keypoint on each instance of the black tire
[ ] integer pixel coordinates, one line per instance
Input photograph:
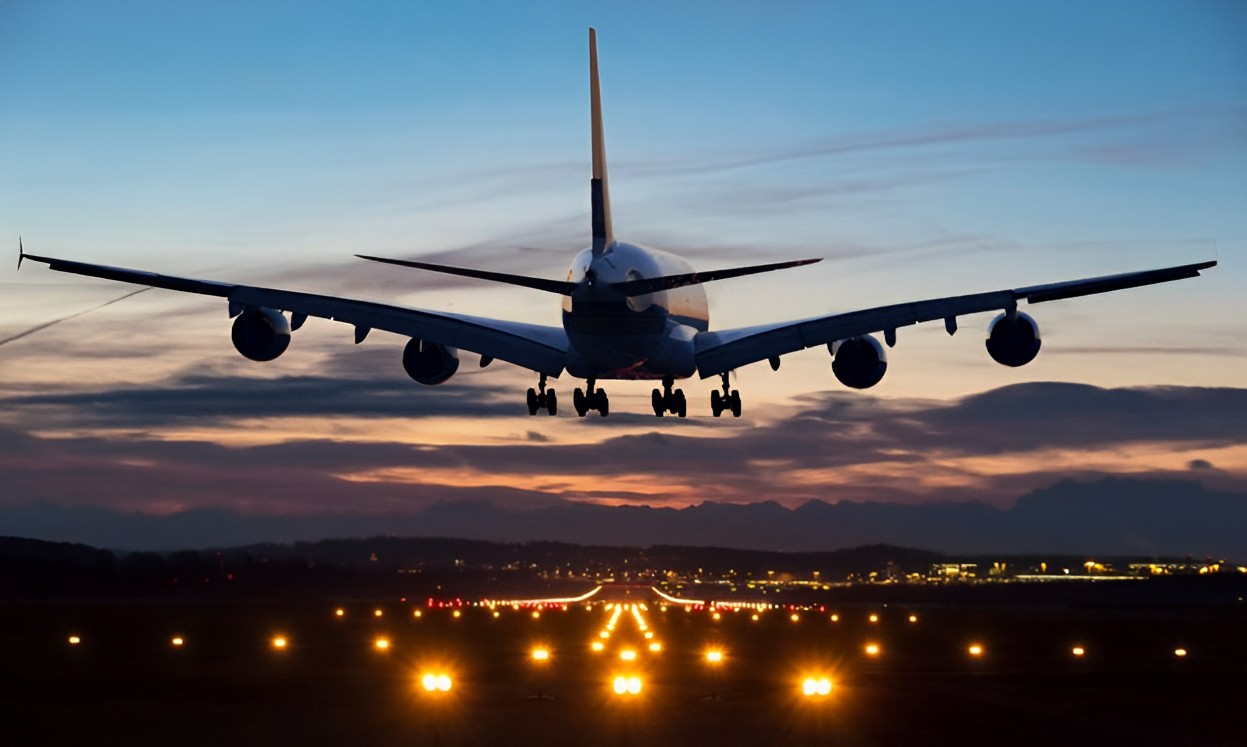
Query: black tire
(552, 402)
(603, 403)
(735, 403)
(716, 403)
(533, 404)
(681, 403)
(578, 400)
(656, 401)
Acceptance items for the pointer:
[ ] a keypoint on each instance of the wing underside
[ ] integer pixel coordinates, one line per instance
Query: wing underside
(722, 351)
(538, 348)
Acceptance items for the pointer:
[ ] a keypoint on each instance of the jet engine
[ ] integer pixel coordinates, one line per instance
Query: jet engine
(858, 362)
(261, 334)
(1013, 340)
(428, 362)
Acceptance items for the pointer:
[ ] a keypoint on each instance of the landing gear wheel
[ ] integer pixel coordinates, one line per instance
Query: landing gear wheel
(735, 403)
(716, 403)
(681, 404)
(552, 402)
(603, 403)
(656, 400)
(533, 403)
(579, 402)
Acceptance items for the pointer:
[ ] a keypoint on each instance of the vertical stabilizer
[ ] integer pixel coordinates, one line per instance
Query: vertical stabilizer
(598, 192)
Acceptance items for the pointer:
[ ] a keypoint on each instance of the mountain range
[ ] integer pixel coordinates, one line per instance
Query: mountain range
(1110, 516)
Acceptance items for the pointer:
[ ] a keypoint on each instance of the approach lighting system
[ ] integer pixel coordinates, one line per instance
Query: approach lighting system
(381, 643)
(714, 656)
(872, 649)
(816, 687)
(540, 653)
(597, 646)
(627, 655)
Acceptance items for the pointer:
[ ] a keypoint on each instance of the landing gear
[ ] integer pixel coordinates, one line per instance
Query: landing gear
(542, 398)
(668, 401)
(728, 400)
(593, 399)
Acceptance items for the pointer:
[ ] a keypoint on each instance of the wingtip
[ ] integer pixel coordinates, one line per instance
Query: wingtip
(21, 252)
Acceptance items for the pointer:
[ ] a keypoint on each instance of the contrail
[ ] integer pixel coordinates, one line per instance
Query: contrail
(45, 325)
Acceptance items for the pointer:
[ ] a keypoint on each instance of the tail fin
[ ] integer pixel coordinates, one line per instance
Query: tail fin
(599, 194)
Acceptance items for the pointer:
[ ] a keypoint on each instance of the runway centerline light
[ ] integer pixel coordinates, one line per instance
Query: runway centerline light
(432, 682)
(626, 685)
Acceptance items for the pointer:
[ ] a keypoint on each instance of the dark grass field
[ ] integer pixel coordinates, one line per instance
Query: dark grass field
(126, 684)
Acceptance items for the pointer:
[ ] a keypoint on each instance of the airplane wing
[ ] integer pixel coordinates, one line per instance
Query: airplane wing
(722, 351)
(538, 348)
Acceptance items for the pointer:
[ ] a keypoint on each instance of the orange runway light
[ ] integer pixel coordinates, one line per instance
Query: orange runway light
(456, 614)
(913, 618)
(536, 615)
(716, 616)
(975, 649)
(873, 618)
(1078, 651)
(432, 682)
(541, 654)
(754, 617)
(378, 612)
(714, 656)
(835, 618)
(418, 614)
(872, 649)
(626, 685)
(795, 617)
(279, 642)
(816, 686)
(381, 644)
(1180, 653)
(597, 646)
(627, 655)
(655, 647)
(177, 641)
(74, 640)
(339, 612)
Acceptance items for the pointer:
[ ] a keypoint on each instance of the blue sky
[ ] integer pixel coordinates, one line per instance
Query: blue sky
(925, 149)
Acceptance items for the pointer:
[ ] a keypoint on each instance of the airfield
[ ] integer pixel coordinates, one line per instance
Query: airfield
(623, 666)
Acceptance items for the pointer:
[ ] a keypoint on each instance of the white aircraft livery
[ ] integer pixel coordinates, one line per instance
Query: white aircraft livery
(629, 313)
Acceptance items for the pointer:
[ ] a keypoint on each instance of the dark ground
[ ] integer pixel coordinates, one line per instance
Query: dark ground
(125, 684)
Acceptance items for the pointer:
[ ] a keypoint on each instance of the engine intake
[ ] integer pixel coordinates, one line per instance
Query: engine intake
(261, 334)
(428, 362)
(858, 362)
(1013, 340)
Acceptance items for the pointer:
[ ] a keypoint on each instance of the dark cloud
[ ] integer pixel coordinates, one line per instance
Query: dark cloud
(1199, 464)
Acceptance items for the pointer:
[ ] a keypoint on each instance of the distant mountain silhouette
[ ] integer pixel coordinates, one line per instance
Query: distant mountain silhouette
(1110, 516)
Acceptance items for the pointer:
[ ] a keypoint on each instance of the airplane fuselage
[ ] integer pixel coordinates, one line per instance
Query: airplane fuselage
(613, 336)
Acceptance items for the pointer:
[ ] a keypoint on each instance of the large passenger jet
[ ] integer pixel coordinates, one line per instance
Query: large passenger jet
(629, 313)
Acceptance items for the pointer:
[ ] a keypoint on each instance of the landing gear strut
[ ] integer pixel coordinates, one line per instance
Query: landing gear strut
(669, 401)
(728, 400)
(593, 399)
(542, 398)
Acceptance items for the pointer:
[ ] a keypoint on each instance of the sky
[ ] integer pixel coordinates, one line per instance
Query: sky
(922, 149)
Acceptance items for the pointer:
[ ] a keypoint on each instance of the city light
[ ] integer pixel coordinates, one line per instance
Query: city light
(456, 614)
(74, 640)
(714, 656)
(873, 618)
(279, 642)
(177, 641)
(627, 685)
(795, 617)
(536, 614)
(541, 654)
(339, 612)
(378, 612)
(417, 614)
(975, 649)
(381, 644)
(1078, 651)
(812, 686)
(913, 618)
(1180, 653)
(872, 649)
(835, 618)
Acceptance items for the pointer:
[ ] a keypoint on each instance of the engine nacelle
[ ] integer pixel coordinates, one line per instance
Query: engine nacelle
(261, 334)
(428, 362)
(1013, 341)
(858, 362)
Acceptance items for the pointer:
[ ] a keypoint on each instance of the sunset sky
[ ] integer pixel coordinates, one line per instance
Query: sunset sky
(923, 149)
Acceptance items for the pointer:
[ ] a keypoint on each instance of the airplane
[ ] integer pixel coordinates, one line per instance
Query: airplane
(628, 313)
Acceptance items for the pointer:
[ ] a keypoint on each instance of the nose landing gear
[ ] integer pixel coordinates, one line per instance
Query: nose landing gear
(542, 398)
(728, 400)
(593, 399)
(668, 401)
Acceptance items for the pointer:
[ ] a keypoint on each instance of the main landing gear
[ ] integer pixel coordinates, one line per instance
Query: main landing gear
(594, 399)
(542, 398)
(669, 401)
(728, 400)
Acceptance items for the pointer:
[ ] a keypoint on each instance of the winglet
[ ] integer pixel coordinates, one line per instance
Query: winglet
(599, 194)
(21, 252)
